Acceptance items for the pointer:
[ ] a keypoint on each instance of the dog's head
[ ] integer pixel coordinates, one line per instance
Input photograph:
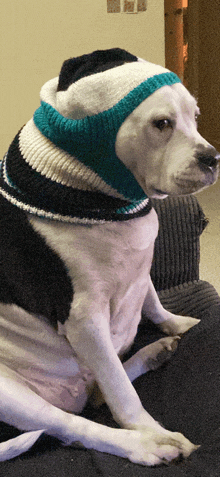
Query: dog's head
(155, 135)
(159, 142)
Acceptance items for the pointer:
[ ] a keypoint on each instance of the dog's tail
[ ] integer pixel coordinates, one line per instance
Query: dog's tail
(14, 447)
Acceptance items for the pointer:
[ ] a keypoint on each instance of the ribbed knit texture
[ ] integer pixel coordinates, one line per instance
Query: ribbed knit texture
(29, 190)
(67, 169)
(181, 223)
(175, 268)
(92, 139)
(190, 299)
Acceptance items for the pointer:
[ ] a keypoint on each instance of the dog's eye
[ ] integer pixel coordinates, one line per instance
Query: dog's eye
(162, 124)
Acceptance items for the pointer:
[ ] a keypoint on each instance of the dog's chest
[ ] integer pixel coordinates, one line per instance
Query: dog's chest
(110, 263)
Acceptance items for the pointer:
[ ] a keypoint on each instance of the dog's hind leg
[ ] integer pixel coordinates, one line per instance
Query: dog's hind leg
(20, 406)
(150, 357)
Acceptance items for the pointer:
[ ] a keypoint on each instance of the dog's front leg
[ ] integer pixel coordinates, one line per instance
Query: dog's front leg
(91, 340)
(168, 322)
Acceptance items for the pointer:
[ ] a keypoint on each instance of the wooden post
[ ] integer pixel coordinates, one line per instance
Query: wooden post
(174, 36)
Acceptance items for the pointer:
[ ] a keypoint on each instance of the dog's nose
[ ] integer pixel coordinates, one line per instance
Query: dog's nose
(208, 159)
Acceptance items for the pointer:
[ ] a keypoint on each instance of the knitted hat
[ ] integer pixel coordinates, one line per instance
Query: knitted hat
(62, 164)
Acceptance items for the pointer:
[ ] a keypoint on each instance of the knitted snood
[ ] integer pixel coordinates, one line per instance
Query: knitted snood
(62, 165)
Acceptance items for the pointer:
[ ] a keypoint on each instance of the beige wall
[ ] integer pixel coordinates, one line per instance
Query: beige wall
(38, 35)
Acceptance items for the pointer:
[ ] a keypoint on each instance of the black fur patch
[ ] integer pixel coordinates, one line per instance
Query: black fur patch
(96, 62)
(32, 275)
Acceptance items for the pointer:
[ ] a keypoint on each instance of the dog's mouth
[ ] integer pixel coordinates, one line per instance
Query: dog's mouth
(184, 182)
(189, 186)
(159, 192)
(183, 187)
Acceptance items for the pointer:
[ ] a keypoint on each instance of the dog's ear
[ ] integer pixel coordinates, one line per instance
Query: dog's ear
(96, 62)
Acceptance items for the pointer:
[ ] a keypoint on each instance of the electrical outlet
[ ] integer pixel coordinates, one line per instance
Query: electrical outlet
(126, 6)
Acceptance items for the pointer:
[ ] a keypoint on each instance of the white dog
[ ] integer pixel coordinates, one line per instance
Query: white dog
(77, 240)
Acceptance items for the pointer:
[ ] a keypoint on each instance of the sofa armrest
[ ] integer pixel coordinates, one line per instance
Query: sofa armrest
(175, 267)
(177, 250)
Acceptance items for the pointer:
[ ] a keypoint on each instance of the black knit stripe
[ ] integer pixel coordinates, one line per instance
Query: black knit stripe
(17, 199)
(101, 60)
(35, 190)
(49, 194)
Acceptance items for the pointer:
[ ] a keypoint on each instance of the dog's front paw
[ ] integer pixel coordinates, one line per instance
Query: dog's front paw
(157, 353)
(177, 325)
(153, 448)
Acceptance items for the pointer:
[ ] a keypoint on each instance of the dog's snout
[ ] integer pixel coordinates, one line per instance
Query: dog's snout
(208, 159)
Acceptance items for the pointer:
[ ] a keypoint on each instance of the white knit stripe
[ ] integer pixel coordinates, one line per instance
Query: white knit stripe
(139, 207)
(3, 167)
(99, 92)
(56, 164)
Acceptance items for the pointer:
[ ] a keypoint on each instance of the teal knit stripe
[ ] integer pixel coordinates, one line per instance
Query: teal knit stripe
(130, 207)
(92, 146)
(92, 139)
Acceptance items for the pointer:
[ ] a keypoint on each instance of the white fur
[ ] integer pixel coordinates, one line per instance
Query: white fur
(109, 266)
(165, 159)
